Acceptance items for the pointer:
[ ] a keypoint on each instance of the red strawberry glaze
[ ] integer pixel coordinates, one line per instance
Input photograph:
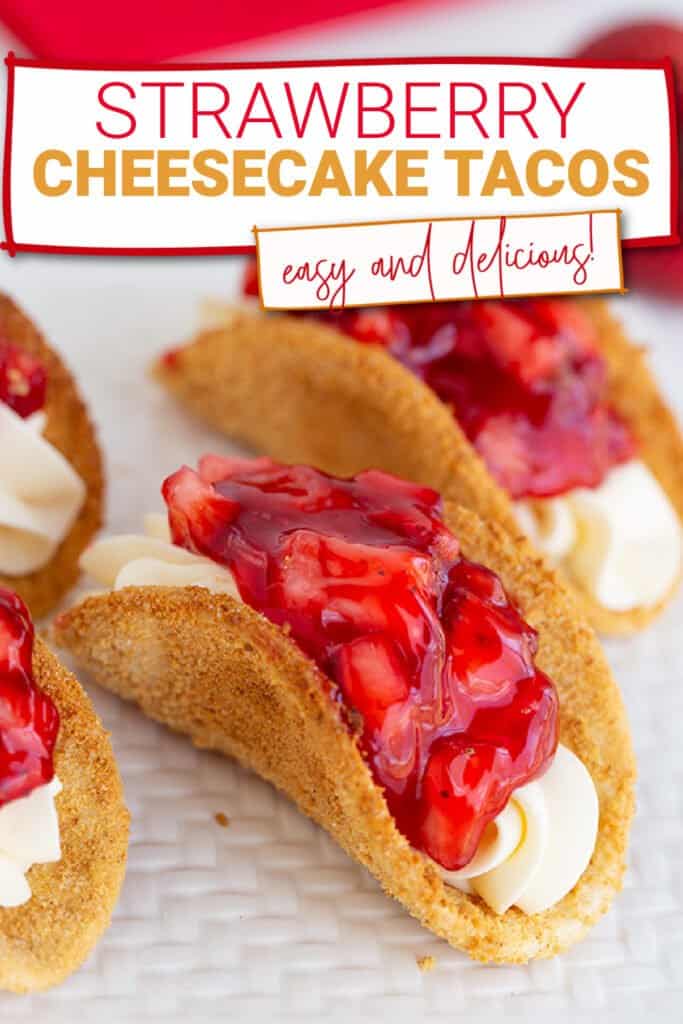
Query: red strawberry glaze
(29, 721)
(524, 379)
(424, 644)
(23, 380)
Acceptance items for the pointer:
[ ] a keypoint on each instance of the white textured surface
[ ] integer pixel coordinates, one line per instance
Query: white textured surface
(268, 919)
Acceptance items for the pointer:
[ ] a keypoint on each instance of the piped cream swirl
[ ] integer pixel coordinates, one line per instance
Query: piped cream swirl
(150, 559)
(40, 495)
(622, 540)
(29, 834)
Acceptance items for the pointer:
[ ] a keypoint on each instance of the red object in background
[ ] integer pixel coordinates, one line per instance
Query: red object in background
(134, 31)
(659, 270)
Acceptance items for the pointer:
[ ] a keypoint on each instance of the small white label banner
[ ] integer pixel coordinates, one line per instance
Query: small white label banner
(341, 265)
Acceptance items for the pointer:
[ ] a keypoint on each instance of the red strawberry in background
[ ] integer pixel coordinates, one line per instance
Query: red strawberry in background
(658, 269)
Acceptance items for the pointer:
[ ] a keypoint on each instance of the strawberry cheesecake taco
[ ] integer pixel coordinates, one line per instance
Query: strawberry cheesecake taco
(51, 481)
(539, 414)
(63, 823)
(412, 677)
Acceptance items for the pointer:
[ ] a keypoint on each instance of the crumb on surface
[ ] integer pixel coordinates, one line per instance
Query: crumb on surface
(221, 819)
(426, 963)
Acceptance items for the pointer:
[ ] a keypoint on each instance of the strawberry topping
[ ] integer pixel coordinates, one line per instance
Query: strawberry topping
(23, 380)
(524, 379)
(423, 644)
(29, 721)
(250, 284)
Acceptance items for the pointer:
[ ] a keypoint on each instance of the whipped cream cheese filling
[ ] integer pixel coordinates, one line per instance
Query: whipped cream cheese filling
(29, 834)
(151, 560)
(622, 540)
(538, 847)
(40, 494)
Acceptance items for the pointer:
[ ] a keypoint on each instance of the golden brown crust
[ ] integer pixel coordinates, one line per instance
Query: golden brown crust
(210, 667)
(70, 430)
(42, 942)
(303, 393)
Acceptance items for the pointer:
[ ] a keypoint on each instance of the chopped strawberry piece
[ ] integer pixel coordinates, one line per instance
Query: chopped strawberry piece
(23, 380)
(372, 676)
(522, 340)
(347, 588)
(477, 579)
(490, 649)
(29, 721)
(371, 326)
(195, 510)
(462, 778)
(425, 646)
(525, 724)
